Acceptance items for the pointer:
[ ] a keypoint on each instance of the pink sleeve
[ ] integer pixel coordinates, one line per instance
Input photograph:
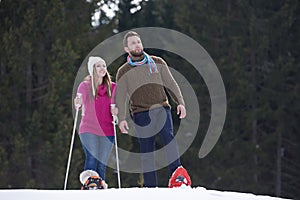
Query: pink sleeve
(83, 88)
(113, 93)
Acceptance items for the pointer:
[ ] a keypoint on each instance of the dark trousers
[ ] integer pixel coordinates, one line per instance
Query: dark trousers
(148, 124)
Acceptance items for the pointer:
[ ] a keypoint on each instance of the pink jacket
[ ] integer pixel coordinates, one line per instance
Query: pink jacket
(96, 115)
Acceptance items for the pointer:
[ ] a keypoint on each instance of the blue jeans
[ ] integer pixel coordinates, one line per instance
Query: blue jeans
(97, 150)
(147, 125)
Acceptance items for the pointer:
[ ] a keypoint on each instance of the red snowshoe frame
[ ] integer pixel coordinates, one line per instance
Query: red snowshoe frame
(93, 183)
(179, 177)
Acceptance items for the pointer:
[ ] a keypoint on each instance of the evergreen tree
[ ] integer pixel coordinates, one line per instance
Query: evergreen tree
(249, 49)
(254, 43)
(38, 64)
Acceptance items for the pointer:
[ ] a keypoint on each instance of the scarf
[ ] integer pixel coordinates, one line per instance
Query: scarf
(147, 60)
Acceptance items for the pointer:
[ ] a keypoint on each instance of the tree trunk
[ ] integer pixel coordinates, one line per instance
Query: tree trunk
(255, 144)
(253, 102)
(278, 164)
(28, 88)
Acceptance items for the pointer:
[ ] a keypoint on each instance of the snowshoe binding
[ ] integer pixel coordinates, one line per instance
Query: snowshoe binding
(91, 181)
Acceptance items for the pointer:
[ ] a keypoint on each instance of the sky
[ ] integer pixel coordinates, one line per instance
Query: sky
(111, 9)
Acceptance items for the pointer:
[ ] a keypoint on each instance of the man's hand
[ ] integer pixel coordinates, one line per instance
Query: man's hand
(181, 110)
(123, 126)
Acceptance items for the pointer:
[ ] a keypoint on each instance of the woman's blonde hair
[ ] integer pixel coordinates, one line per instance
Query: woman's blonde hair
(106, 80)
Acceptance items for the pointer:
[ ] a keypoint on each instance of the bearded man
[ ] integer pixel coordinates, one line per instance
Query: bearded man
(145, 80)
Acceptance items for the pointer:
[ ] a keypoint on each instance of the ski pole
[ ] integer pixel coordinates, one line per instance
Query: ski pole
(72, 142)
(115, 122)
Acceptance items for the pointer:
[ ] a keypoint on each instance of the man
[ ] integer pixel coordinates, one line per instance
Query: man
(145, 79)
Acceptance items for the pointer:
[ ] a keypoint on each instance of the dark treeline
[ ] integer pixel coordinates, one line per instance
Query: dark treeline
(254, 43)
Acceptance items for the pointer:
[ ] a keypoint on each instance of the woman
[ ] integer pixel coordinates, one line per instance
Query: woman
(95, 96)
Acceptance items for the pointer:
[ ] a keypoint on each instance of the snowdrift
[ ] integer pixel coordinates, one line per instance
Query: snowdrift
(198, 193)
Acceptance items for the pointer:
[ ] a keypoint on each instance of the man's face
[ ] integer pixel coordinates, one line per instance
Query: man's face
(134, 46)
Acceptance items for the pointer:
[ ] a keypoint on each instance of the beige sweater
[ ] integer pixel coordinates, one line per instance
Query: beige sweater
(145, 90)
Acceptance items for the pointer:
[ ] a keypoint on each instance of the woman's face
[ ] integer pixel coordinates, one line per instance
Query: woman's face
(101, 69)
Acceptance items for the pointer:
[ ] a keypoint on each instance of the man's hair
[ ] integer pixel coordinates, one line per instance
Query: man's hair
(129, 34)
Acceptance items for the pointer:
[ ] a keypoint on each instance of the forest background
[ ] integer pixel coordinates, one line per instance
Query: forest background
(254, 43)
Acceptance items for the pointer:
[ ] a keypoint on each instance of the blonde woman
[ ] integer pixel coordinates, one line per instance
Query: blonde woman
(96, 130)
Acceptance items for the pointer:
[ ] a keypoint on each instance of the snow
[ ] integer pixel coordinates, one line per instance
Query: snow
(129, 193)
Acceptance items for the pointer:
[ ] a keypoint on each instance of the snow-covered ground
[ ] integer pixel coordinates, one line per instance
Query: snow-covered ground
(198, 193)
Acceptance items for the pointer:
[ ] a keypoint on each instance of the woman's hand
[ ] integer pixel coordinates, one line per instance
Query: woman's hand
(114, 111)
(78, 101)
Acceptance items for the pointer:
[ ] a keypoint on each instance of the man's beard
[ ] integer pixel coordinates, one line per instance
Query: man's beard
(136, 54)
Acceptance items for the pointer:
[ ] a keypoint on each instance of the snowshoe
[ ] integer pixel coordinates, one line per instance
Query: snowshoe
(91, 181)
(180, 178)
